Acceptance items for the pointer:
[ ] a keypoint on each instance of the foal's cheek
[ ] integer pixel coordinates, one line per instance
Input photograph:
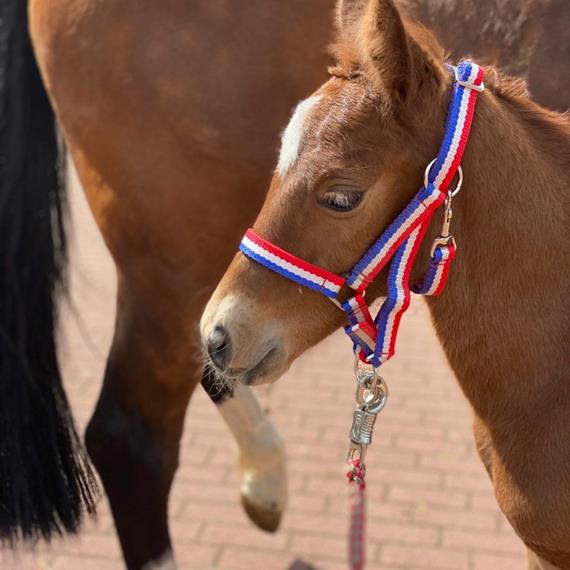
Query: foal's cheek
(312, 318)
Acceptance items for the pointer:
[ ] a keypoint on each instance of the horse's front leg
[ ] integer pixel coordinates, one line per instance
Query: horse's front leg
(261, 455)
(133, 437)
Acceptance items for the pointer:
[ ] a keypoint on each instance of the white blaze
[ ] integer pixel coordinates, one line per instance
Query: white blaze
(291, 139)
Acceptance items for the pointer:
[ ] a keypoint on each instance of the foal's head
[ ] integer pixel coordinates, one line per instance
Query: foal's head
(352, 156)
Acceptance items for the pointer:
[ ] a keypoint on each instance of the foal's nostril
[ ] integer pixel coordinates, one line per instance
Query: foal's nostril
(219, 347)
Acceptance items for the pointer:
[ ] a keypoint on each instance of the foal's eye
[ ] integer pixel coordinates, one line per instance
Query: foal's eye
(341, 199)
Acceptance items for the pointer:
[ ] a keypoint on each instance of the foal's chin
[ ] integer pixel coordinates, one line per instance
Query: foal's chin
(255, 379)
(269, 369)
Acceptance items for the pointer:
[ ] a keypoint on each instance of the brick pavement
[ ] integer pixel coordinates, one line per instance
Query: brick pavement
(430, 503)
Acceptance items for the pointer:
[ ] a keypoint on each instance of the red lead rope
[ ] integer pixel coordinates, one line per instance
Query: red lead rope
(357, 517)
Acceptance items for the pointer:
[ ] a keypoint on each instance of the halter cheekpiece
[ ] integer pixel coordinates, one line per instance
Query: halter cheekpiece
(374, 338)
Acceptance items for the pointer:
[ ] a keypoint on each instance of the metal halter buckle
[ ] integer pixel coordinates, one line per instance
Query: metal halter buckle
(466, 84)
(371, 397)
(445, 238)
(365, 377)
(337, 303)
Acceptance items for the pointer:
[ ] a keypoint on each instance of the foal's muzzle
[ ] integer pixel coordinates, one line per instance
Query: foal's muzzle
(242, 343)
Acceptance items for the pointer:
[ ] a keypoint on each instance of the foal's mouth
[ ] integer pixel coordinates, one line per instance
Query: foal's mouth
(251, 376)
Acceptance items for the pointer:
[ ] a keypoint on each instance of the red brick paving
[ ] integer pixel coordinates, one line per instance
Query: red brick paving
(430, 503)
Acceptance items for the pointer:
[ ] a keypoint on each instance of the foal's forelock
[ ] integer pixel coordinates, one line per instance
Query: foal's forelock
(322, 120)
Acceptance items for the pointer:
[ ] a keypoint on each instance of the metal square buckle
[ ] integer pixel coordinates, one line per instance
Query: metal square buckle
(442, 241)
(466, 84)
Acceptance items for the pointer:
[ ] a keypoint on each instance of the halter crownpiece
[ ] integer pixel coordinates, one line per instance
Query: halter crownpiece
(374, 339)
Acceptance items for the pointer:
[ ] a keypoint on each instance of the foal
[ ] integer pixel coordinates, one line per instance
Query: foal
(353, 155)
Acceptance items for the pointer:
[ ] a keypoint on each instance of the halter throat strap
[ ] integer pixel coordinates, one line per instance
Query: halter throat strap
(374, 338)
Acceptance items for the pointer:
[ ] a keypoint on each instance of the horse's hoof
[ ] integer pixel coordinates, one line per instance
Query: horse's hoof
(265, 519)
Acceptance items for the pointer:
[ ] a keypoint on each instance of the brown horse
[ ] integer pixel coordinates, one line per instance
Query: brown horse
(521, 36)
(171, 113)
(352, 156)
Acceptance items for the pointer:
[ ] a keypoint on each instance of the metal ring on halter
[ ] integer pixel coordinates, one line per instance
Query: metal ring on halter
(451, 193)
(338, 304)
(364, 377)
(374, 399)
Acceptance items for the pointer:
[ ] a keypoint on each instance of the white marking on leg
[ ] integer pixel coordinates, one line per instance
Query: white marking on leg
(535, 562)
(261, 450)
(293, 134)
(164, 562)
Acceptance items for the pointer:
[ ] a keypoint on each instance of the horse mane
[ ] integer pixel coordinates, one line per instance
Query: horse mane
(552, 127)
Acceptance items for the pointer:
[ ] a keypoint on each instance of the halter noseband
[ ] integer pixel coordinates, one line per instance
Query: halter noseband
(374, 339)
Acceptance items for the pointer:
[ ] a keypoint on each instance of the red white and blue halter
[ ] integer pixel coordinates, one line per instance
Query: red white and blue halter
(374, 339)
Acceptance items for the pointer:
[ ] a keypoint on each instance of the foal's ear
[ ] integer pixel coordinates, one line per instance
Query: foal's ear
(348, 15)
(386, 50)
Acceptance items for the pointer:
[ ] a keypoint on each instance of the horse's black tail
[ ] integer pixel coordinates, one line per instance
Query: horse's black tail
(46, 483)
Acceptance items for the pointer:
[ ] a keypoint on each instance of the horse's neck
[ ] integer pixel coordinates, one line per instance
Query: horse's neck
(503, 318)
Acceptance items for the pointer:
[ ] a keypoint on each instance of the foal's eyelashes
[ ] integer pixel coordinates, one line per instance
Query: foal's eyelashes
(341, 199)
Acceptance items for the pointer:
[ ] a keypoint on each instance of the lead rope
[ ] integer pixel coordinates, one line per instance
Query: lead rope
(357, 516)
(371, 397)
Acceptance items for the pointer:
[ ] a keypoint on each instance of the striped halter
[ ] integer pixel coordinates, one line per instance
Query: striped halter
(374, 339)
